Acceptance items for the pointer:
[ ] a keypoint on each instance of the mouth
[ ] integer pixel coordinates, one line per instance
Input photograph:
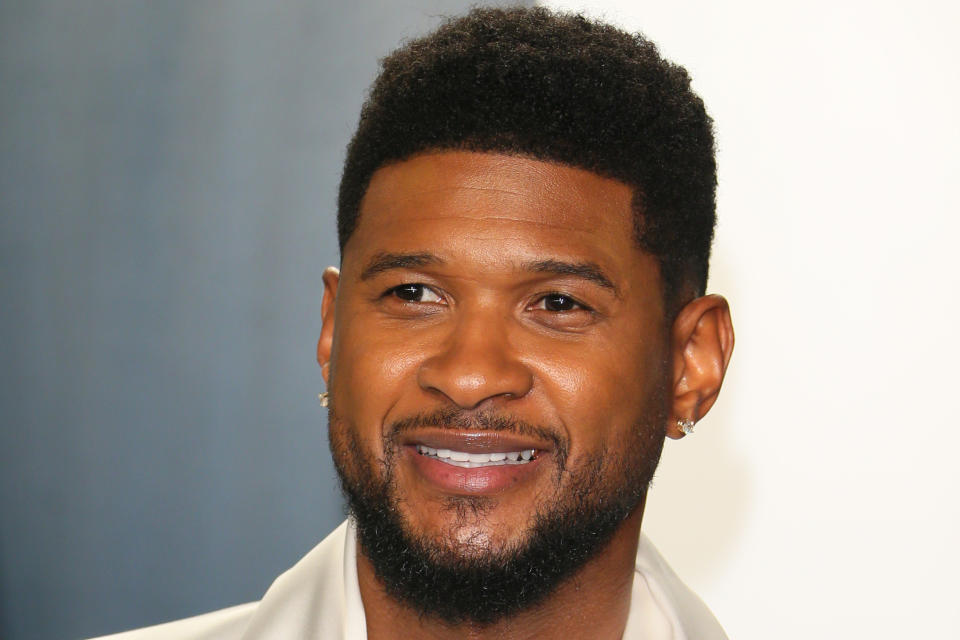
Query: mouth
(474, 462)
(470, 460)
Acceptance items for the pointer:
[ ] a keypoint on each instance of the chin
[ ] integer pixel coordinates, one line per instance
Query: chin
(459, 560)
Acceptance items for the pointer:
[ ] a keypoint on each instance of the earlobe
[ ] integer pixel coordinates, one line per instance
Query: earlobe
(331, 280)
(702, 343)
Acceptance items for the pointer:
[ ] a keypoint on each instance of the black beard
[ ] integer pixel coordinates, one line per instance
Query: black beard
(439, 582)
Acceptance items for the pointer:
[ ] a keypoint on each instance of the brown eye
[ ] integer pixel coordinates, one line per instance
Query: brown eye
(558, 302)
(415, 293)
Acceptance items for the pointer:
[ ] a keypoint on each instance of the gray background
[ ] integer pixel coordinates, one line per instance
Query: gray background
(167, 189)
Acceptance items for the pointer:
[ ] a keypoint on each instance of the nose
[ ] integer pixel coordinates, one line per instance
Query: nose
(475, 363)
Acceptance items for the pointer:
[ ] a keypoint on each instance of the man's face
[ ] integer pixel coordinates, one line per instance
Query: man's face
(499, 358)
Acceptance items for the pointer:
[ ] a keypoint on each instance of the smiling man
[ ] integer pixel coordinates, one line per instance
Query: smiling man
(517, 324)
(525, 221)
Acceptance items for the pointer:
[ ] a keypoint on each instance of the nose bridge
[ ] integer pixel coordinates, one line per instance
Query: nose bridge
(476, 362)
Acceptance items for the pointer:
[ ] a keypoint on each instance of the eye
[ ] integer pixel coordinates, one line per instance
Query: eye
(559, 303)
(415, 293)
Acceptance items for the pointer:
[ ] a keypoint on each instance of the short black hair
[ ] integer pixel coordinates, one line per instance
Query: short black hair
(557, 87)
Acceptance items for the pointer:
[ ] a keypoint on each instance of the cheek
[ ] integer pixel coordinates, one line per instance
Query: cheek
(598, 369)
(601, 391)
(371, 368)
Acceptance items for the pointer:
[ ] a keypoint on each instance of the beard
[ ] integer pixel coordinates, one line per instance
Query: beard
(440, 577)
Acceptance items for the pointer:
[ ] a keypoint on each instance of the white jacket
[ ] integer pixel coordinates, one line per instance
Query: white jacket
(319, 598)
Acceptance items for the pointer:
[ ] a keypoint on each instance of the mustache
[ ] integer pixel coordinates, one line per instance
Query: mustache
(468, 420)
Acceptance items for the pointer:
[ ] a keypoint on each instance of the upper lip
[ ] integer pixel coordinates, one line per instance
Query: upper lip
(474, 441)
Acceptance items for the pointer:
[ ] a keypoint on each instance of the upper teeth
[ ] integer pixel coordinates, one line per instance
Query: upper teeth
(464, 459)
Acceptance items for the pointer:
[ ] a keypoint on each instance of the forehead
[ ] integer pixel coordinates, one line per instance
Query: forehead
(510, 205)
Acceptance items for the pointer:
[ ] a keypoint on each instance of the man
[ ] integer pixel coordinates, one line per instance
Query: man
(525, 220)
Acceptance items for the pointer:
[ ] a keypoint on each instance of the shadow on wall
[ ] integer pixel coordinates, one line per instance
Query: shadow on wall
(168, 177)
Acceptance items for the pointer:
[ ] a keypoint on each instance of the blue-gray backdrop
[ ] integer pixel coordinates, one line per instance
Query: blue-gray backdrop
(167, 187)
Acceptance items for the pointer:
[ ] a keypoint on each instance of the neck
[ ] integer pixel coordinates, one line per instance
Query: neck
(593, 603)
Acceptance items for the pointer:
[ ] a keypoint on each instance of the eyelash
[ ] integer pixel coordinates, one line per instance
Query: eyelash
(394, 291)
(577, 305)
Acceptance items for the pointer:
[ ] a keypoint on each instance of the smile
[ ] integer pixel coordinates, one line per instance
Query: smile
(472, 460)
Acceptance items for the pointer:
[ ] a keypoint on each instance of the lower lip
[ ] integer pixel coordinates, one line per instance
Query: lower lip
(474, 481)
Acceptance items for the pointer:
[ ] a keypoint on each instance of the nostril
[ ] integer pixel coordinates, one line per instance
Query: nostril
(474, 365)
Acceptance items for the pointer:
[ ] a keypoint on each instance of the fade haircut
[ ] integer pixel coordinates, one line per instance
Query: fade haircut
(555, 87)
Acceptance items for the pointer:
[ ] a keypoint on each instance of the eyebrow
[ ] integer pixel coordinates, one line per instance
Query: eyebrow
(387, 261)
(586, 270)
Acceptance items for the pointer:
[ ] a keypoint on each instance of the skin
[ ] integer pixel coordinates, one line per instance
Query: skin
(487, 332)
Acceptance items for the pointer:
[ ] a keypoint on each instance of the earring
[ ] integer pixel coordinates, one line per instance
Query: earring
(686, 425)
(324, 399)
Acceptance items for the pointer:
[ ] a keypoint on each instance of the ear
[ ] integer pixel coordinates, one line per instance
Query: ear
(331, 280)
(702, 342)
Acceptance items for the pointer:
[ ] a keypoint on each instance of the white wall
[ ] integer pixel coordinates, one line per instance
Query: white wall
(818, 500)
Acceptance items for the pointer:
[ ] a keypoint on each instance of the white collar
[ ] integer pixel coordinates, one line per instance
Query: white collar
(319, 597)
